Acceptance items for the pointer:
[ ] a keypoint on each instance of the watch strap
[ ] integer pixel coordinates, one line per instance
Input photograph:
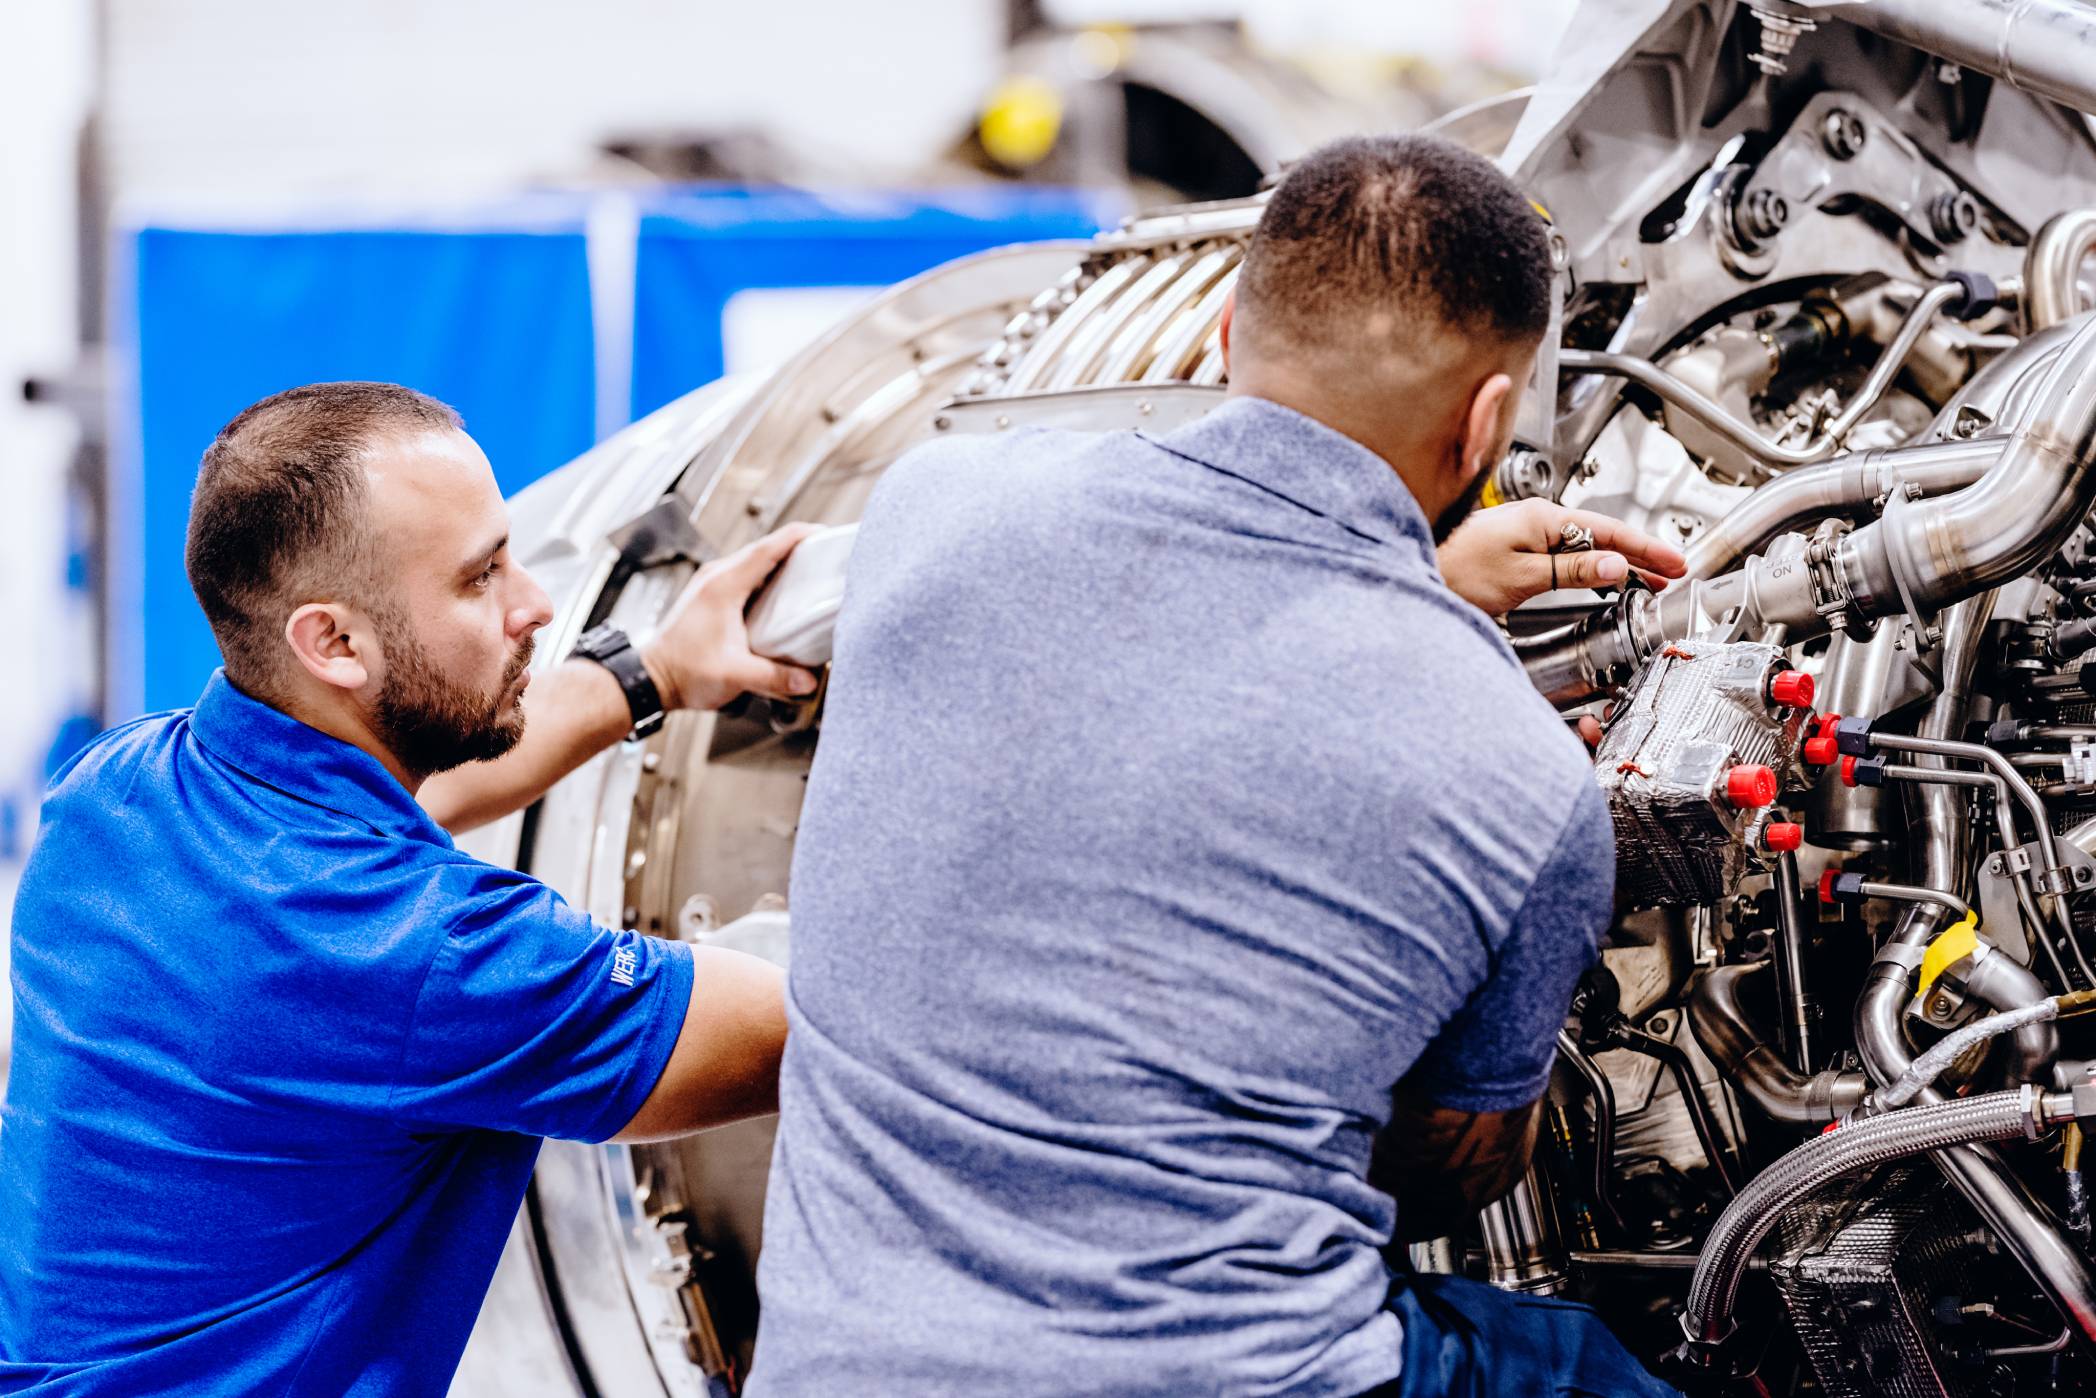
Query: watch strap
(613, 649)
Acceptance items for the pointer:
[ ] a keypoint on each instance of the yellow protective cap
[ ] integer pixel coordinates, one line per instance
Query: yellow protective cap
(1956, 942)
(1021, 121)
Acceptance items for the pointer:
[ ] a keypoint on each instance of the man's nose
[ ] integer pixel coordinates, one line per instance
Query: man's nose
(531, 609)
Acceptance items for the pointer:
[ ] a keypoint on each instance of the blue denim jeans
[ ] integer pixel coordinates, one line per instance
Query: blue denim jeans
(1464, 1339)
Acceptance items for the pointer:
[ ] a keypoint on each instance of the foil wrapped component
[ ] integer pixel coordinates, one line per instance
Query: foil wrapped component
(1687, 762)
(1873, 1270)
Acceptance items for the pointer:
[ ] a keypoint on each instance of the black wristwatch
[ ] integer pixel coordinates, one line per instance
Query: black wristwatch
(613, 649)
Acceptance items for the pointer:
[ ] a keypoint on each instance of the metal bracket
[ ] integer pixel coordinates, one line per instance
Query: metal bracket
(661, 534)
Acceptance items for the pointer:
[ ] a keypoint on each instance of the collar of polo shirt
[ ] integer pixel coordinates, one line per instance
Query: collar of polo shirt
(1299, 458)
(276, 749)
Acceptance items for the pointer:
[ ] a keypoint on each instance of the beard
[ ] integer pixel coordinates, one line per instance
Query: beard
(431, 722)
(1455, 514)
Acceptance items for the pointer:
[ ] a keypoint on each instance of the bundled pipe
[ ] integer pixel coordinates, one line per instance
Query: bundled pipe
(1998, 1116)
(1920, 555)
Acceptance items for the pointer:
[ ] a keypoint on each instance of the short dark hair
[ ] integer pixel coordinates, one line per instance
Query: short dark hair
(277, 517)
(1414, 223)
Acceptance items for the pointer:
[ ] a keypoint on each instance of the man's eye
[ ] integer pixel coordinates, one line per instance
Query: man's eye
(487, 575)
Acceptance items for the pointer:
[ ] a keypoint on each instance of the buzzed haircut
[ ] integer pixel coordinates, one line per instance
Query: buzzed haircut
(278, 516)
(1411, 234)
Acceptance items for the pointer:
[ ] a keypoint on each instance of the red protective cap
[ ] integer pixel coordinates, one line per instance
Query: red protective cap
(1792, 689)
(1750, 785)
(1822, 750)
(1826, 884)
(1782, 836)
(1848, 771)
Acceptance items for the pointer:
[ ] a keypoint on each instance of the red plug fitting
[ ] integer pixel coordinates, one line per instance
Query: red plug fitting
(1792, 688)
(1782, 836)
(1751, 786)
(1822, 747)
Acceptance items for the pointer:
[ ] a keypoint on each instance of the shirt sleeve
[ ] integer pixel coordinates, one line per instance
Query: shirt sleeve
(534, 1019)
(1494, 1054)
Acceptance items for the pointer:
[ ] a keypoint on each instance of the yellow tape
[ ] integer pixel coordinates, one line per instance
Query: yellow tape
(1958, 941)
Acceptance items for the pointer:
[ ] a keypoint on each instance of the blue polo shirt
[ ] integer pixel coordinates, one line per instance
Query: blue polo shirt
(283, 1057)
(1168, 810)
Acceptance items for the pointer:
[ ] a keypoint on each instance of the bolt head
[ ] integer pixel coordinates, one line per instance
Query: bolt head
(1843, 134)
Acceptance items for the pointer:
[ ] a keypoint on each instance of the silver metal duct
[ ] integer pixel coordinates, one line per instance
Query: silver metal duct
(1934, 553)
(1743, 1055)
(2047, 47)
(2053, 266)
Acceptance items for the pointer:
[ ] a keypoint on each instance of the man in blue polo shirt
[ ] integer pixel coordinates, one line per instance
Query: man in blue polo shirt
(1171, 810)
(283, 1056)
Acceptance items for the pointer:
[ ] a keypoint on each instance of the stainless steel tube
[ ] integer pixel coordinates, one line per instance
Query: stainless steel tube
(2043, 46)
(1926, 1068)
(2052, 268)
(1793, 998)
(1523, 1251)
(1997, 981)
(1741, 1052)
(1743, 435)
(1604, 1099)
(1836, 487)
(1998, 1116)
(1914, 893)
(1932, 553)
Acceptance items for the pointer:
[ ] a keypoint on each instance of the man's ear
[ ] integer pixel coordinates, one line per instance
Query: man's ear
(331, 644)
(1229, 314)
(1481, 426)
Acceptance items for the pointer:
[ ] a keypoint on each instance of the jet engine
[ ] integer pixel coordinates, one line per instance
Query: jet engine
(1825, 280)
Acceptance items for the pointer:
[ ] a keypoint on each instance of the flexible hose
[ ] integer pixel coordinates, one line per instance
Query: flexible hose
(1929, 1066)
(1998, 1116)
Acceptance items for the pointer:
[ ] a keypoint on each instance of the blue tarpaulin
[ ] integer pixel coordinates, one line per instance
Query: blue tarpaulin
(700, 249)
(497, 315)
(496, 323)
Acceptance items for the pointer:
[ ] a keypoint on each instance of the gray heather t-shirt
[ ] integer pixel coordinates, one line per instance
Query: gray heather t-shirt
(1169, 809)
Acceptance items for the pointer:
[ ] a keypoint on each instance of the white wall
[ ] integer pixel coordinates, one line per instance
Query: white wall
(45, 633)
(262, 98)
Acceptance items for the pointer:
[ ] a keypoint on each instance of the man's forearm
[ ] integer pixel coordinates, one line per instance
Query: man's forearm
(1442, 1164)
(572, 712)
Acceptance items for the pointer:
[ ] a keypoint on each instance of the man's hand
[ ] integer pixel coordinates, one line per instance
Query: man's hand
(1499, 558)
(700, 655)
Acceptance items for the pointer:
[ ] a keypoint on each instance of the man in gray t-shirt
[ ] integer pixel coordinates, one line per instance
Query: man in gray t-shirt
(1171, 811)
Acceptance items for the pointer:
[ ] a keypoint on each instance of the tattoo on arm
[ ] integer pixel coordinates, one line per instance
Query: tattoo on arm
(1443, 1164)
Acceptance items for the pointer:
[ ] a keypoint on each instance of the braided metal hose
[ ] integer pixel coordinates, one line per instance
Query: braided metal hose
(1998, 1116)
